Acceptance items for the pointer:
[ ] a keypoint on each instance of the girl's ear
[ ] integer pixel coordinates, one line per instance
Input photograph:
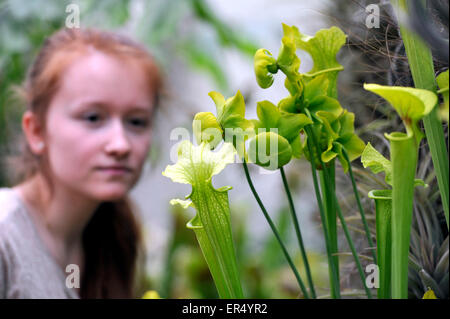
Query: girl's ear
(33, 132)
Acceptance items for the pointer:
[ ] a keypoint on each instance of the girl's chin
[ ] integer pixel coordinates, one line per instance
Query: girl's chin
(111, 194)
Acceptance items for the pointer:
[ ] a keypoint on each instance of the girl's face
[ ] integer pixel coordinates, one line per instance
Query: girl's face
(98, 126)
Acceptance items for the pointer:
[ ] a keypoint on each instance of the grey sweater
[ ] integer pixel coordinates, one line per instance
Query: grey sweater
(27, 270)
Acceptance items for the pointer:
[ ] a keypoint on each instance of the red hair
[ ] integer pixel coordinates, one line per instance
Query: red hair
(111, 240)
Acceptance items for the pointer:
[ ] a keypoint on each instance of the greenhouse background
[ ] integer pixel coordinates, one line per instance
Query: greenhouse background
(208, 45)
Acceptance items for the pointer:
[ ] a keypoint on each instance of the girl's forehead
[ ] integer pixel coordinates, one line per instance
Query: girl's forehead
(105, 80)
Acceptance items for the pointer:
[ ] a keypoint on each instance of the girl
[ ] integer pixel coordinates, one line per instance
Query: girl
(67, 228)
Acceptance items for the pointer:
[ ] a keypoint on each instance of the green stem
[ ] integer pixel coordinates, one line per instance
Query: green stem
(298, 233)
(352, 248)
(383, 216)
(311, 75)
(422, 69)
(334, 281)
(329, 186)
(274, 230)
(361, 210)
(404, 152)
(330, 210)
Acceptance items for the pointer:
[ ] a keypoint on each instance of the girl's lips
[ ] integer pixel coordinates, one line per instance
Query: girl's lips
(115, 170)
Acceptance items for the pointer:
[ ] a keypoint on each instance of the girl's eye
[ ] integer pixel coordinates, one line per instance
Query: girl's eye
(92, 117)
(138, 122)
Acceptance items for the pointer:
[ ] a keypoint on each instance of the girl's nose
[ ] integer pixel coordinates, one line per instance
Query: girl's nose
(118, 143)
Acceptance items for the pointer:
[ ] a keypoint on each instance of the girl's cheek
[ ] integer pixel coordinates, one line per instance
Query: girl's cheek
(145, 147)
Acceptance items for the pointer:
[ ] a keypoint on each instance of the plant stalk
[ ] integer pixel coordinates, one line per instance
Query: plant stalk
(334, 277)
(383, 213)
(298, 233)
(330, 211)
(361, 210)
(329, 184)
(275, 232)
(404, 152)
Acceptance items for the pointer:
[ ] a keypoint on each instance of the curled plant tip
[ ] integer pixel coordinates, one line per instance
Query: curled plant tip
(233, 125)
(233, 106)
(411, 104)
(207, 129)
(196, 166)
(269, 150)
(287, 60)
(323, 48)
(316, 98)
(265, 66)
(337, 133)
(289, 105)
(443, 83)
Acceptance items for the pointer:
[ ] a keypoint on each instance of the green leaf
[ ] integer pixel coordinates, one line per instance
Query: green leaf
(234, 105)
(288, 105)
(318, 86)
(294, 86)
(290, 125)
(325, 104)
(297, 147)
(328, 154)
(443, 83)
(323, 48)
(268, 114)
(287, 125)
(354, 147)
(328, 121)
(237, 121)
(207, 129)
(338, 131)
(265, 65)
(197, 165)
(421, 64)
(347, 127)
(376, 162)
(411, 104)
(219, 100)
(231, 118)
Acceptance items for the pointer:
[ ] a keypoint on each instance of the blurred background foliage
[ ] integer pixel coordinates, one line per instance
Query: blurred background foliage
(193, 40)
